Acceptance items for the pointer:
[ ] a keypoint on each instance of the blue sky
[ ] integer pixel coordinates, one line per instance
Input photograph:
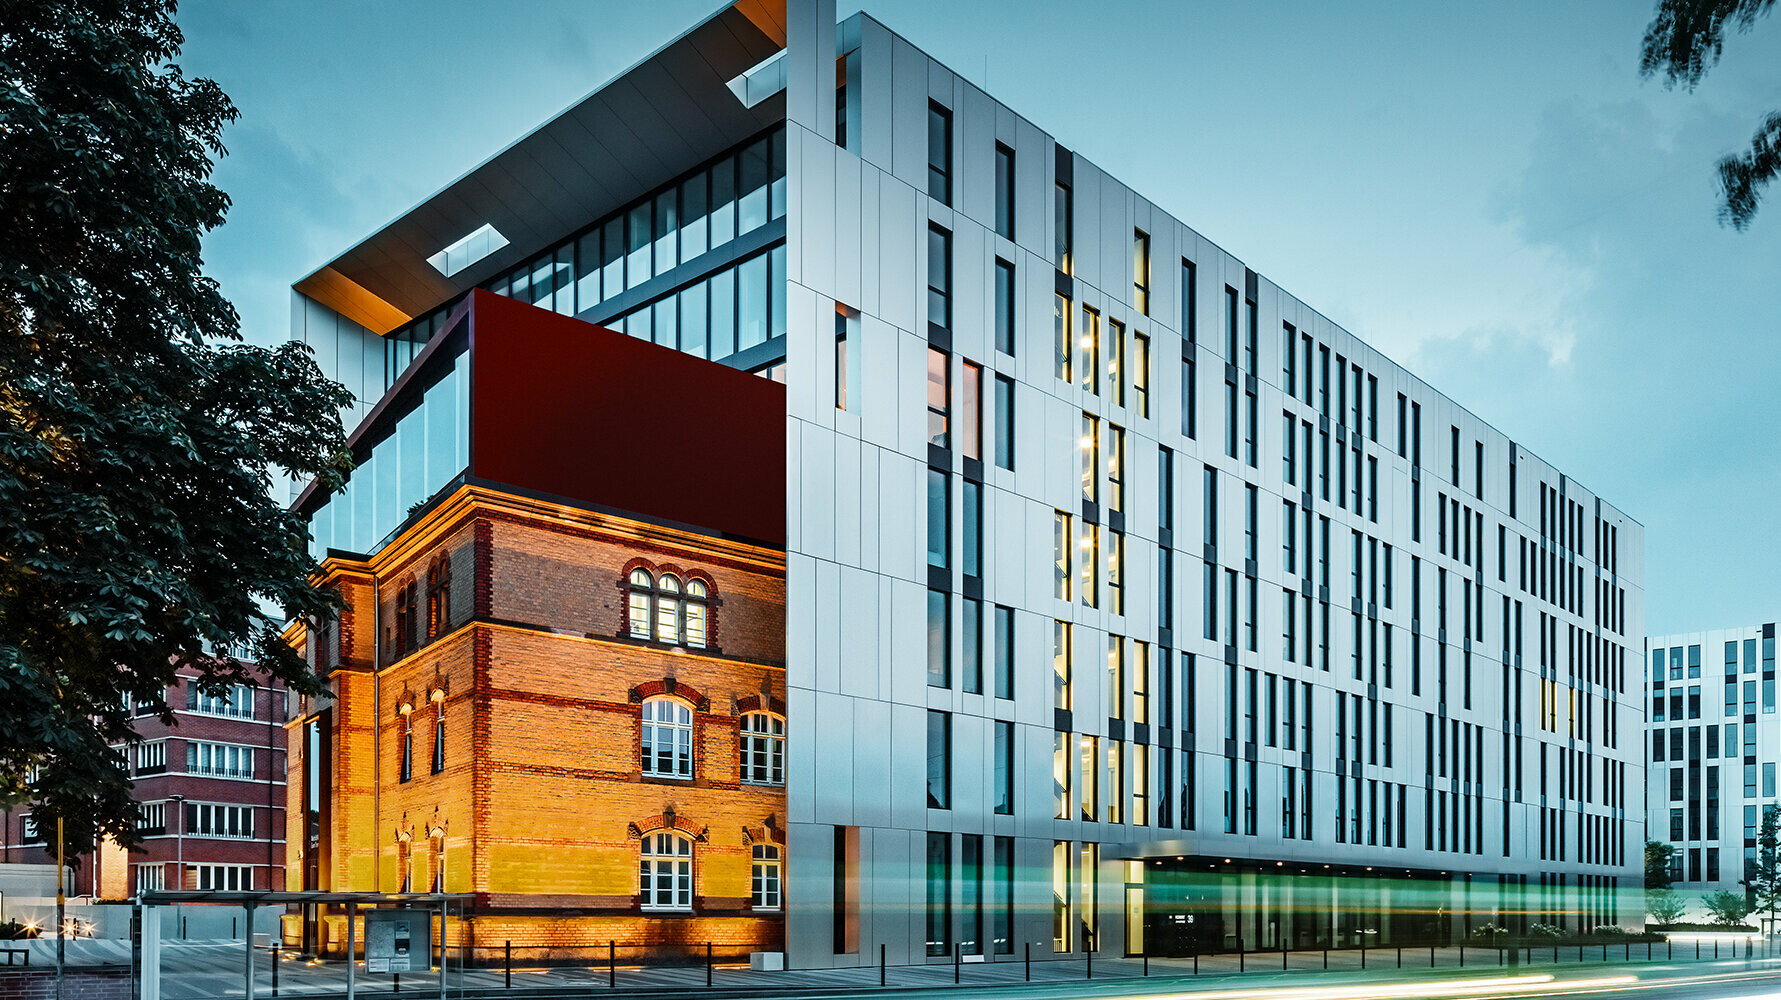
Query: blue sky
(1488, 193)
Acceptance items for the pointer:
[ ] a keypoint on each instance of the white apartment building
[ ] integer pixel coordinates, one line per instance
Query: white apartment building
(1133, 604)
(1713, 748)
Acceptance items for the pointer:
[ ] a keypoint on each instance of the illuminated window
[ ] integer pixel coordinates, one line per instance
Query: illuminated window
(763, 749)
(766, 877)
(665, 610)
(667, 871)
(438, 598)
(438, 736)
(1140, 271)
(407, 743)
(667, 738)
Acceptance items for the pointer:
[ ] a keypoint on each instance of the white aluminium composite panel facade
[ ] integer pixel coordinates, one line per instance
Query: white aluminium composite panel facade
(859, 696)
(1712, 751)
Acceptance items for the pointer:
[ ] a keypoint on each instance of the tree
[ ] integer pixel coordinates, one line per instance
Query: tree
(1683, 41)
(1765, 878)
(1659, 857)
(1726, 907)
(1666, 906)
(139, 439)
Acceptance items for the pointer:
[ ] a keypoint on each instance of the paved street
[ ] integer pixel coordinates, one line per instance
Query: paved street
(205, 970)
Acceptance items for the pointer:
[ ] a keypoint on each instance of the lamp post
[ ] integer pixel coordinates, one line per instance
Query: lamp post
(179, 847)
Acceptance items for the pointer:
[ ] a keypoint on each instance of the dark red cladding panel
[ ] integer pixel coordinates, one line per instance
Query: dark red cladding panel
(567, 408)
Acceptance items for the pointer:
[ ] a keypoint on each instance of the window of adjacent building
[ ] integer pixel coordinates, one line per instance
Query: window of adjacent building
(235, 701)
(204, 819)
(939, 153)
(1141, 271)
(939, 639)
(151, 757)
(939, 519)
(1005, 306)
(1060, 317)
(1116, 361)
(939, 277)
(1004, 773)
(840, 359)
(667, 738)
(1062, 227)
(220, 760)
(1088, 351)
(763, 748)
(1090, 779)
(939, 894)
(972, 641)
(152, 816)
(1088, 581)
(939, 398)
(1061, 545)
(1116, 571)
(1062, 692)
(1115, 781)
(971, 419)
(667, 871)
(973, 530)
(1141, 374)
(230, 878)
(939, 760)
(1004, 191)
(1115, 468)
(1090, 449)
(150, 877)
(1002, 623)
(766, 880)
(1061, 799)
(1004, 422)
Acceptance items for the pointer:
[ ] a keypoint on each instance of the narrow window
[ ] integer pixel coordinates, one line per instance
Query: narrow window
(939, 153)
(939, 278)
(1005, 307)
(1062, 224)
(939, 398)
(1004, 192)
(939, 639)
(971, 423)
(939, 760)
(1004, 422)
(1141, 271)
(1141, 374)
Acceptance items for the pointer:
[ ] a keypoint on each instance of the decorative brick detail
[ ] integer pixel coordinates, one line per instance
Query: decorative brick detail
(672, 688)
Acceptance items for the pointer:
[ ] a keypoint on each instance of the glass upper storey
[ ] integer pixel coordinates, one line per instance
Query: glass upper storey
(429, 448)
(677, 266)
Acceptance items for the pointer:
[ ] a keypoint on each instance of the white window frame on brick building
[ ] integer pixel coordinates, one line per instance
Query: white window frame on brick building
(666, 871)
(666, 610)
(767, 881)
(763, 748)
(667, 738)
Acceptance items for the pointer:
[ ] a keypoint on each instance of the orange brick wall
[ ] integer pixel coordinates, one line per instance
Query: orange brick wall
(542, 799)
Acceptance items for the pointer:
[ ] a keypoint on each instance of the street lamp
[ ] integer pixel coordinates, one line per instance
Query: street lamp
(179, 846)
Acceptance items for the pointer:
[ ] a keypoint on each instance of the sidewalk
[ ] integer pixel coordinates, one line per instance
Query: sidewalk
(203, 971)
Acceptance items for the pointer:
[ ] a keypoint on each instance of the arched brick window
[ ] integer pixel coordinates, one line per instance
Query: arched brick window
(439, 598)
(667, 871)
(668, 608)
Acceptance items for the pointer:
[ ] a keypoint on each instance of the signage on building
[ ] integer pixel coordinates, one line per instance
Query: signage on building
(398, 940)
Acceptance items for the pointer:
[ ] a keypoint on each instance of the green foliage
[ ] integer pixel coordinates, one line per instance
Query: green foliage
(1659, 857)
(139, 439)
(1683, 41)
(1665, 906)
(1726, 907)
(1765, 879)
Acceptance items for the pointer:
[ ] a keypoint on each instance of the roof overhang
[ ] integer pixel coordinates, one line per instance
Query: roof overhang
(663, 116)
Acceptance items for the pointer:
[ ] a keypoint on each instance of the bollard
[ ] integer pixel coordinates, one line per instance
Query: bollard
(1400, 956)
(881, 963)
(1697, 949)
(1626, 951)
(1326, 957)
(708, 964)
(957, 949)
(507, 961)
(1715, 949)
(398, 987)
(1431, 956)
(1462, 954)
(1196, 961)
(1146, 963)
(1363, 955)
(1669, 949)
(1029, 963)
(612, 964)
(1283, 954)
(1088, 953)
(275, 945)
(1241, 954)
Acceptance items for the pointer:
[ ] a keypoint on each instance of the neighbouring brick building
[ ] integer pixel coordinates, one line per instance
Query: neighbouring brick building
(558, 681)
(210, 791)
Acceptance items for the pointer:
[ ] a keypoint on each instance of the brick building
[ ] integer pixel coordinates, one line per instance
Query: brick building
(210, 788)
(562, 692)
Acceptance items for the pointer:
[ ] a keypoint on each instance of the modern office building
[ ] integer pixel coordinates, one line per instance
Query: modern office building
(1714, 745)
(210, 790)
(1131, 604)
